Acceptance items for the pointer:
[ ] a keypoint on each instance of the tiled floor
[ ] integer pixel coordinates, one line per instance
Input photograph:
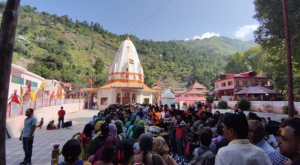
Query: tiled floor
(44, 139)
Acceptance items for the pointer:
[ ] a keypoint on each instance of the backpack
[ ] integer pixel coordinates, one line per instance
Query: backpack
(200, 158)
(68, 124)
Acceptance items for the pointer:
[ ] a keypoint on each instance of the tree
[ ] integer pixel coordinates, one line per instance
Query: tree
(236, 63)
(98, 66)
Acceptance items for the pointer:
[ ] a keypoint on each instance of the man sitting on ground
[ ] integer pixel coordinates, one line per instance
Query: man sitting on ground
(239, 151)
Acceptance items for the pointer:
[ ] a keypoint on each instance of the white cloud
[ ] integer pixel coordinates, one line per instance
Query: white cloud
(205, 35)
(245, 30)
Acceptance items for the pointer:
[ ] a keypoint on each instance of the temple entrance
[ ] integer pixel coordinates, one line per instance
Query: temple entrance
(126, 98)
(134, 98)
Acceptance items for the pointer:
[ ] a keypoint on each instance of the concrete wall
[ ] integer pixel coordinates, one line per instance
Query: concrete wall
(266, 106)
(15, 125)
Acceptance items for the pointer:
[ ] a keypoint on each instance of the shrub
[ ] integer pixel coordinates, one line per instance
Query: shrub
(285, 109)
(210, 99)
(244, 104)
(222, 105)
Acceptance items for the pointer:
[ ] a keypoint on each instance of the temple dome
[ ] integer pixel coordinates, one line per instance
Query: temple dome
(126, 66)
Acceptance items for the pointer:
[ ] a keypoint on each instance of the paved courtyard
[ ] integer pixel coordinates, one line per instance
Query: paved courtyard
(42, 146)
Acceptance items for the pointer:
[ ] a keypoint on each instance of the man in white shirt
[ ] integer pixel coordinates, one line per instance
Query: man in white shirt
(239, 151)
(183, 107)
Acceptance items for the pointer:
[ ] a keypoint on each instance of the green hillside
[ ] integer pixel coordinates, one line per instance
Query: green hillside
(221, 45)
(67, 50)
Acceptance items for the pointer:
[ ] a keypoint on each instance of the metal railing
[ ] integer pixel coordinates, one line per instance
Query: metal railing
(14, 109)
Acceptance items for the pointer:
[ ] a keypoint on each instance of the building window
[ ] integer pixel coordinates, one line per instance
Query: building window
(103, 100)
(237, 82)
(33, 84)
(224, 84)
(17, 80)
(245, 82)
(230, 83)
(264, 83)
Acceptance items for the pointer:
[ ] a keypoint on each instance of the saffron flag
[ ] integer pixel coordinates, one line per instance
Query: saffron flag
(134, 77)
(157, 84)
(15, 98)
(21, 93)
(51, 96)
(29, 86)
(36, 95)
(122, 76)
(89, 80)
(140, 77)
(31, 95)
(42, 85)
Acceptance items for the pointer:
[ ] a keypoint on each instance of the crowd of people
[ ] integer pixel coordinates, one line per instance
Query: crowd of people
(117, 136)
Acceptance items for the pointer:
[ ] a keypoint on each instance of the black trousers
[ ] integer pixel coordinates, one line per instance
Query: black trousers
(61, 120)
(27, 147)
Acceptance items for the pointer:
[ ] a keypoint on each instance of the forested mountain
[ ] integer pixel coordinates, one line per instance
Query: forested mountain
(219, 45)
(68, 50)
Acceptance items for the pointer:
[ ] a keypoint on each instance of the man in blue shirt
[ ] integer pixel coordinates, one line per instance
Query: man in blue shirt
(27, 135)
(256, 136)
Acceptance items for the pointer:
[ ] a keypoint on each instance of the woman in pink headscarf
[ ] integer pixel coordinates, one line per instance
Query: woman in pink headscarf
(110, 140)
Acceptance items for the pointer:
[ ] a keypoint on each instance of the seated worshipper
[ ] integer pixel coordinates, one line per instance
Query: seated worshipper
(71, 151)
(289, 141)
(212, 125)
(271, 131)
(113, 131)
(107, 156)
(95, 117)
(110, 140)
(132, 127)
(220, 141)
(98, 142)
(51, 125)
(239, 151)
(256, 136)
(203, 155)
(146, 157)
(161, 147)
(138, 130)
(98, 127)
(132, 120)
(140, 113)
(124, 154)
(108, 119)
(120, 133)
(85, 139)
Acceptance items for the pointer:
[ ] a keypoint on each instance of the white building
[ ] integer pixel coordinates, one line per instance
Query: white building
(20, 77)
(125, 81)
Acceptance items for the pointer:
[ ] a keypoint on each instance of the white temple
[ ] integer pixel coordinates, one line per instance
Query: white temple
(125, 80)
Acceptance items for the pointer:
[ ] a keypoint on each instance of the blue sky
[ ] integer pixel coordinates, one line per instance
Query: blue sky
(161, 19)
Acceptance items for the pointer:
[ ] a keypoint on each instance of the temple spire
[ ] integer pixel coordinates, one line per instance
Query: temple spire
(127, 38)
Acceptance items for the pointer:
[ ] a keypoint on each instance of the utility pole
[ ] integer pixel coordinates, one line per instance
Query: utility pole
(288, 62)
(7, 40)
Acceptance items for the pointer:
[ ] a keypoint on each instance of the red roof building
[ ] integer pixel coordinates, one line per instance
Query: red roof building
(229, 84)
(195, 90)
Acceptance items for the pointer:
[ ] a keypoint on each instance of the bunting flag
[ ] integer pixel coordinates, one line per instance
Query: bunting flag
(21, 93)
(15, 98)
(42, 85)
(89, 80)
(31, 95)
(134, 77)
(29, 86)
(36, 95)
(140, 77)
(157, 84)
(114, 78)
(122, 76)
(233, 98)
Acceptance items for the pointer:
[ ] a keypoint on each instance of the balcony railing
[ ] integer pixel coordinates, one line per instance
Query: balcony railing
(241, 86)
